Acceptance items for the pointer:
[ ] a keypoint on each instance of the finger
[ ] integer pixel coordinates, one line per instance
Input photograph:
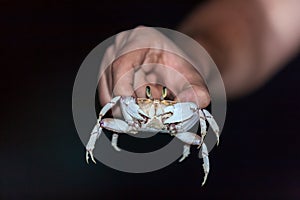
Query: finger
(105, 79)
(105, 92)
(104, 87)
(122, 78)
(195, 93)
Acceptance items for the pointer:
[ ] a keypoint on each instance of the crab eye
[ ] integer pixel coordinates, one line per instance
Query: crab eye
(164, 92)
(148, 92)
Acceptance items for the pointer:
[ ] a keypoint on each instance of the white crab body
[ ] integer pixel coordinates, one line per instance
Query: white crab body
(154, 115)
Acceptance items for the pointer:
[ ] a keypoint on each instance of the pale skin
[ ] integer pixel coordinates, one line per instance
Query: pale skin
(248, 40)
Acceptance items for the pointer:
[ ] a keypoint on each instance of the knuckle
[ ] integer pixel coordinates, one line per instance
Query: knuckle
(116, 63)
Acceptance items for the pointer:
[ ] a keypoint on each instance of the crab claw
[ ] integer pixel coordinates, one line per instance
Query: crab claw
(132, 108)
(181, 112)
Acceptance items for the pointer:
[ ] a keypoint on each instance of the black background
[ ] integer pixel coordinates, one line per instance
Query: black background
(41, 155)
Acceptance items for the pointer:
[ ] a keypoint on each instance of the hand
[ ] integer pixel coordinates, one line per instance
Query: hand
(136, 65)
(248, 40)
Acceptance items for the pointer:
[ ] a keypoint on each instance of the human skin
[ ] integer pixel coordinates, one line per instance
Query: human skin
(135, 67)
(248, 40)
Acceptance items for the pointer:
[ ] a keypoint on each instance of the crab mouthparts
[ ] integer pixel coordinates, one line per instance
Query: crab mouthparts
(155, 123)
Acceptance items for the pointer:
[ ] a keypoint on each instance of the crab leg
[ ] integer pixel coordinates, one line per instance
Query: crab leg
(114, 142)
(203, 126)
(188, 138)
(186, 152)
(212, 123)
(97, 130)
(108, 106)
(205, 165)
(115, 125)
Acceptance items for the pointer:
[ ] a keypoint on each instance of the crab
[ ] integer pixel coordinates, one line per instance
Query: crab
(156, 115)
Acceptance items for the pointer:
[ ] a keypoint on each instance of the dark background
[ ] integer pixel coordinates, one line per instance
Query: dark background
(41, 155)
